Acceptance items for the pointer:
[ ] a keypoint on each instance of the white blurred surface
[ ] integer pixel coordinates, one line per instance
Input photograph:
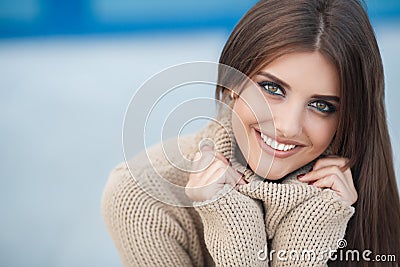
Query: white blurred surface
(62, 107)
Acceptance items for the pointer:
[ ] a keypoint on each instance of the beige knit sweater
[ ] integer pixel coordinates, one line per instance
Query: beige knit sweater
(262, 223)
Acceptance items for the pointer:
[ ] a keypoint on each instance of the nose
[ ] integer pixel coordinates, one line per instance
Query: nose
(288, 120)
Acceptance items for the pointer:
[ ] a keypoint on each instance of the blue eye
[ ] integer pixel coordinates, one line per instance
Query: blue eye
(323, 106)
(272, 88)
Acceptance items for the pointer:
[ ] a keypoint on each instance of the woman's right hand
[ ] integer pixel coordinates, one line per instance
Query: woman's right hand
(203, 185)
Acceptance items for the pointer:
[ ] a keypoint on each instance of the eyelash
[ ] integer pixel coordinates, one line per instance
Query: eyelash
(267, 84)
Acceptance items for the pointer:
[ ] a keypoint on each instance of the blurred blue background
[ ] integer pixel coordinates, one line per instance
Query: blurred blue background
(68, 71)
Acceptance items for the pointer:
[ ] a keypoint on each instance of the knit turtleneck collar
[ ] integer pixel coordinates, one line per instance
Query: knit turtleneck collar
(277, 197)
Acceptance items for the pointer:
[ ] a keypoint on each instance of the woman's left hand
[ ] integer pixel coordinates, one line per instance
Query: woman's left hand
(328, 172)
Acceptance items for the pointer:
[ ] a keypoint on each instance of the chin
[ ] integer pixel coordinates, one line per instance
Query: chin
(274, 177)
(277, 173)
(269, 174)
(278, 170)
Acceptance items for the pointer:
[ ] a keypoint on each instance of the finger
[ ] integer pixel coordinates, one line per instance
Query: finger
(208, 149)
(317, 174)
(330, 160)
(204, 159)
(222, 173)
(241, 182)
(207, 157)
(201, 165)
(235, 177)
(195, 161)
(348, 176)
(194, 168)
(209, 176)
(340, 162)
(333, 182)
(225, 177)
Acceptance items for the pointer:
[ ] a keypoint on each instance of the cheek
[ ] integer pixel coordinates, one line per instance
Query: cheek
(320, 132)
(251, 107)
(241, 119)
(242, 113)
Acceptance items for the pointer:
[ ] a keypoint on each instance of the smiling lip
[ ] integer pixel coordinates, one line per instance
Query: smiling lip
(274, 152)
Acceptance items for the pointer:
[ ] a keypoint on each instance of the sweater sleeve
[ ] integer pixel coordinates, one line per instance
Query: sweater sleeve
(143, 231)
(301, 219)
(313, 230)
(234, 229)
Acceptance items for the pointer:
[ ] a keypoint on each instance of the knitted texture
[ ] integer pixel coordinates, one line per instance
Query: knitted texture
(239, 226)
(146, 231)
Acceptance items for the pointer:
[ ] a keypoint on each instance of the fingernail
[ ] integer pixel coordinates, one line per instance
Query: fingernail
(300, 175)
(242, 181)
(240, 173)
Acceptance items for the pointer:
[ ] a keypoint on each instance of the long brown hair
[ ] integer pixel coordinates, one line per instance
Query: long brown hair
(341, 31)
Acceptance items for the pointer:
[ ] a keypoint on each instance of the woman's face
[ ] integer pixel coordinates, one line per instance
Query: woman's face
(302, 91)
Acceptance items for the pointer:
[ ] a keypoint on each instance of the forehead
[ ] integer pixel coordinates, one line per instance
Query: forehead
(308, 71)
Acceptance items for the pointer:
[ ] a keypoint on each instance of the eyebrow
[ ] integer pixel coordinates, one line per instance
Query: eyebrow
(327, 97)
(274, 79)
(284, 84)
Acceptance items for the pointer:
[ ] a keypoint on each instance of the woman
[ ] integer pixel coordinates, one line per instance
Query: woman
(317, 169)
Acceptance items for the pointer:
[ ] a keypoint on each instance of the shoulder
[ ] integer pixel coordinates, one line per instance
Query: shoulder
(157, 160)
(154, 172)
(169, 158)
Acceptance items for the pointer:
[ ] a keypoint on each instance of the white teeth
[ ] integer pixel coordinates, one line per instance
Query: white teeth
(269, 140)
(275, 145)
